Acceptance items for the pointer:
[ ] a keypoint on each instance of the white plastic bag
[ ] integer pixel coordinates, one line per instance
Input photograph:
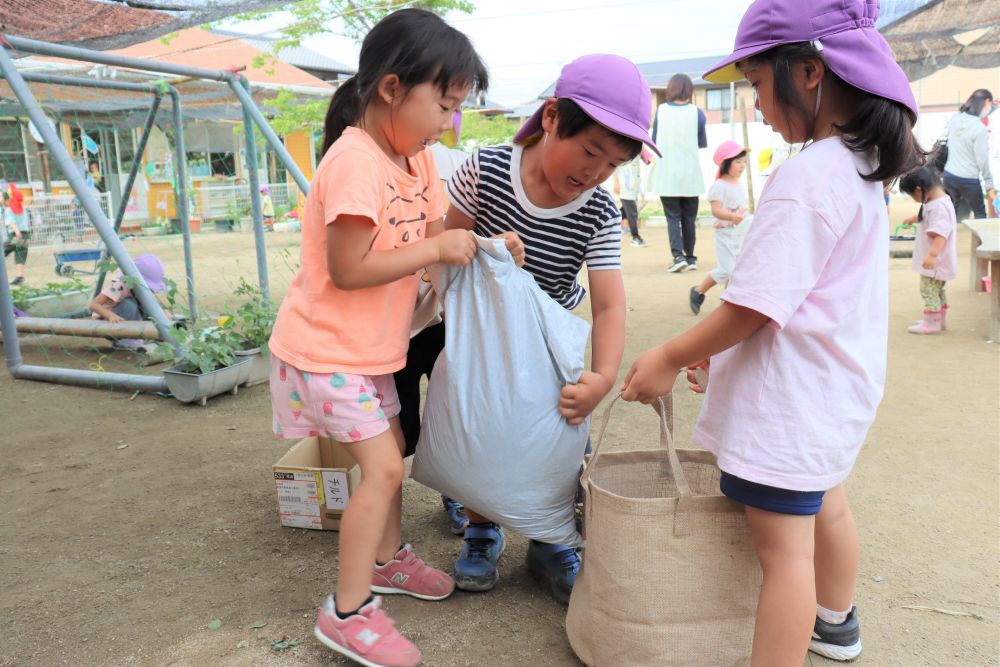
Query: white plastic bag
(492, 436)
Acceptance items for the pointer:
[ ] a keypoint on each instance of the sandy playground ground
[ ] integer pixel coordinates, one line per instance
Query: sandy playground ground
(127, 526)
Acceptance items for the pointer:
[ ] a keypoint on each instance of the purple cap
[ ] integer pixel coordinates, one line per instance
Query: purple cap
(151, 269)
(844, 32)
(611, 90)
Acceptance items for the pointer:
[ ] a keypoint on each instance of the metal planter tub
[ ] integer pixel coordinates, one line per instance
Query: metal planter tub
(57, 305)
(189, 387)
(260, 365)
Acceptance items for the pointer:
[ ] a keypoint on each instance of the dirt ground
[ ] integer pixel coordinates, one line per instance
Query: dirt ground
(128, 525)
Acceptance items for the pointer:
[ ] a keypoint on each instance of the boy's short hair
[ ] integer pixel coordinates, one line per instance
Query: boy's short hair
(573, 120)
(728, 162)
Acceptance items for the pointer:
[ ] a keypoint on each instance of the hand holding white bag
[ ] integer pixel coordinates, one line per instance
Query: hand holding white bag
(492, 436)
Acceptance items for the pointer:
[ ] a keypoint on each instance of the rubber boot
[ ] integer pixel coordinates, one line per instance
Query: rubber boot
(931, 324)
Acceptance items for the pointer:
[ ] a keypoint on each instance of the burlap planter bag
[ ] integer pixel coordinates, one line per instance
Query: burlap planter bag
(669, 575)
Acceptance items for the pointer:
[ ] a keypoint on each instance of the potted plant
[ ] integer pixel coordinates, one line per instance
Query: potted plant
(205, 364)
(228, 220)
(253, 322)
(158, 227)
(246, 218)
(53, 300)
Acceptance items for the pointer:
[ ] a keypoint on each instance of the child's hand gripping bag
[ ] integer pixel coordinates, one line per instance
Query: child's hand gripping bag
(492, 436)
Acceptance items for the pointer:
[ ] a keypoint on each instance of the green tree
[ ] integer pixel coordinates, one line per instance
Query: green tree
(478, 130)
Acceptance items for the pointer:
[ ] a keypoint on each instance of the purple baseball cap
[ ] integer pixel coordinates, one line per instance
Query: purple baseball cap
(611, 90)
(842, 30)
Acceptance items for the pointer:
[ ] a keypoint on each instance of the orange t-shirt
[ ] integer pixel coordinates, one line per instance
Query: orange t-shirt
(367, 331)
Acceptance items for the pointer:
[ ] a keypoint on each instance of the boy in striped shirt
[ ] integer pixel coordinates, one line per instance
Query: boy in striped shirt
(544, 192)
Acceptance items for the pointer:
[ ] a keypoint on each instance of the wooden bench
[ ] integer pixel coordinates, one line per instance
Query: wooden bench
(985, 260)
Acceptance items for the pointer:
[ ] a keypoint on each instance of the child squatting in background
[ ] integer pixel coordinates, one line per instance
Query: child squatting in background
(372, 222)
(728, 199)
(797, 350)
(935, 255)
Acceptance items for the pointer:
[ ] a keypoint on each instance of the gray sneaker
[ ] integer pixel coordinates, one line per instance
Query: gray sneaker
(636, 241)
(837, 642)
(695, 299)
(679, 265)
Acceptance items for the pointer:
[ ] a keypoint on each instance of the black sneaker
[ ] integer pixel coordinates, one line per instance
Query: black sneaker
(692, 265)
(679, 265)
(837, 642)
(695, 299)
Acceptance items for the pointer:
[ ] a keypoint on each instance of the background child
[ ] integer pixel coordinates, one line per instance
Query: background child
(627, 184)
(372, 222)
(798, 348)
(267, 207)
(935, 255)
(15, 218)
(544, 191)
(728, 199)
(116, 303)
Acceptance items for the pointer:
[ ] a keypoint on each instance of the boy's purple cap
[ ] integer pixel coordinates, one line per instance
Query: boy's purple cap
(611, 90)
(843, 31)
(151, 269)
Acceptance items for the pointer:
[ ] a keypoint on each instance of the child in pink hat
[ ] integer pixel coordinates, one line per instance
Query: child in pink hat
(728, 198)
(797, 350)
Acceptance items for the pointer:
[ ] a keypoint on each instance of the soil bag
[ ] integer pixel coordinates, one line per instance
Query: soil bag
(492, 436)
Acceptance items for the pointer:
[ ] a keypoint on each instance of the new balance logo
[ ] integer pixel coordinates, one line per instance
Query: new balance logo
(400, 578)
(367, 637)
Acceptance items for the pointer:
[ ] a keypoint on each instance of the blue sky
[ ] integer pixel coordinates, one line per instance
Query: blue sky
(526, 42)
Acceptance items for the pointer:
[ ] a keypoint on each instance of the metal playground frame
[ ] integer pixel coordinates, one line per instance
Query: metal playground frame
(108, 230)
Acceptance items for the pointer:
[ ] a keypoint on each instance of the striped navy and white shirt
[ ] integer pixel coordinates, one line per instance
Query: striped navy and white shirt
(557, 241)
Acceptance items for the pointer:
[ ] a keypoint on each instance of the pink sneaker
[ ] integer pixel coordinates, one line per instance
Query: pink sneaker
(409, 575)
(368, 637)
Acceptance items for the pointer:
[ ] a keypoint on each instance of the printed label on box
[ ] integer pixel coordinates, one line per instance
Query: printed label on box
(298, 499)
(335, 485)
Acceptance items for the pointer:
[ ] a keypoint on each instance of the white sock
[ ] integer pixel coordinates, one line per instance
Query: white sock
(832, 617)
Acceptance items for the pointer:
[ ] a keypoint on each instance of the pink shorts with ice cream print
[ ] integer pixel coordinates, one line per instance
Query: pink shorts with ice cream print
(341, 406)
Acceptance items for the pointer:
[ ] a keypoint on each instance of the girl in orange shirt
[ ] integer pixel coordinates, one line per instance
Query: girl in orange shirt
(372, 222)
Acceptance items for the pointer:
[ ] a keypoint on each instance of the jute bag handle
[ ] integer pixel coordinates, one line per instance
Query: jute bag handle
(681, 526)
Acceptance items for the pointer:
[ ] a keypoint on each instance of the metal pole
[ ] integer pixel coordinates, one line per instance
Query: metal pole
(130, 181)
(11, 345)
(37, 77)
(180, 164)
(255, 207)
(265, 129)
(90, 204)
(88, 55)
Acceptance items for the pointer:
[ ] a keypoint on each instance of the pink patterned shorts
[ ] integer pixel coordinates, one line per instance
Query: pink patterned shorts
(341, 406)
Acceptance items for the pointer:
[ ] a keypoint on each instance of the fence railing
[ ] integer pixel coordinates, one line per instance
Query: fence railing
(59, 219)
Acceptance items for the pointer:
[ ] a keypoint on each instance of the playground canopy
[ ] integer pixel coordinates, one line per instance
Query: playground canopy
(114, 24)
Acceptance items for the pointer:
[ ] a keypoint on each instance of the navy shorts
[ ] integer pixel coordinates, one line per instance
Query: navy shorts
(770, 498)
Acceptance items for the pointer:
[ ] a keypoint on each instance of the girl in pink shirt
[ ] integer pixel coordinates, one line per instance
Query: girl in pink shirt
(372, 222)
(935, 255)
(798, 348)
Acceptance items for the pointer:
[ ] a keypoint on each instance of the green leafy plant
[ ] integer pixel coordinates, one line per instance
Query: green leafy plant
(23, 294)
(254, 319)
(203, 350)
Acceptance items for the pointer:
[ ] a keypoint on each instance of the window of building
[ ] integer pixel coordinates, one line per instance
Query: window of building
(13, 164)
(719, 99)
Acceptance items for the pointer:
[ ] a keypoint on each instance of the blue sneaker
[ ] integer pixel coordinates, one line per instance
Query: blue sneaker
(456, 514)
(476, 567)
(555, 564)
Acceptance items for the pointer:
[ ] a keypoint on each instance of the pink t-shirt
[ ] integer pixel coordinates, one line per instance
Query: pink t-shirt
(790, 406)
(939, 218)
(115, 290)
(367, 331)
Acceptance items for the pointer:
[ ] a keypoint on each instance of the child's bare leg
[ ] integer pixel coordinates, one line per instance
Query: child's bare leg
(838, 552)
(363, 526)
(392, 536)
(786, 608)
(705, 285)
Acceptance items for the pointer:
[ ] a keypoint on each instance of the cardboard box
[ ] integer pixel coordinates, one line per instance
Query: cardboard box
(313, 482)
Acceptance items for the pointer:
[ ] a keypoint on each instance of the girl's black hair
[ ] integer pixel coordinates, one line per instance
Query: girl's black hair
(924, 178)
(977, 100)
(417, 46)
(728, 162)
(573, 120)
(880, 127)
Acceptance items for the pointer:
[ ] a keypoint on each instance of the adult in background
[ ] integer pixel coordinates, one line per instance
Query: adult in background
(968, 156)
(679, 131)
